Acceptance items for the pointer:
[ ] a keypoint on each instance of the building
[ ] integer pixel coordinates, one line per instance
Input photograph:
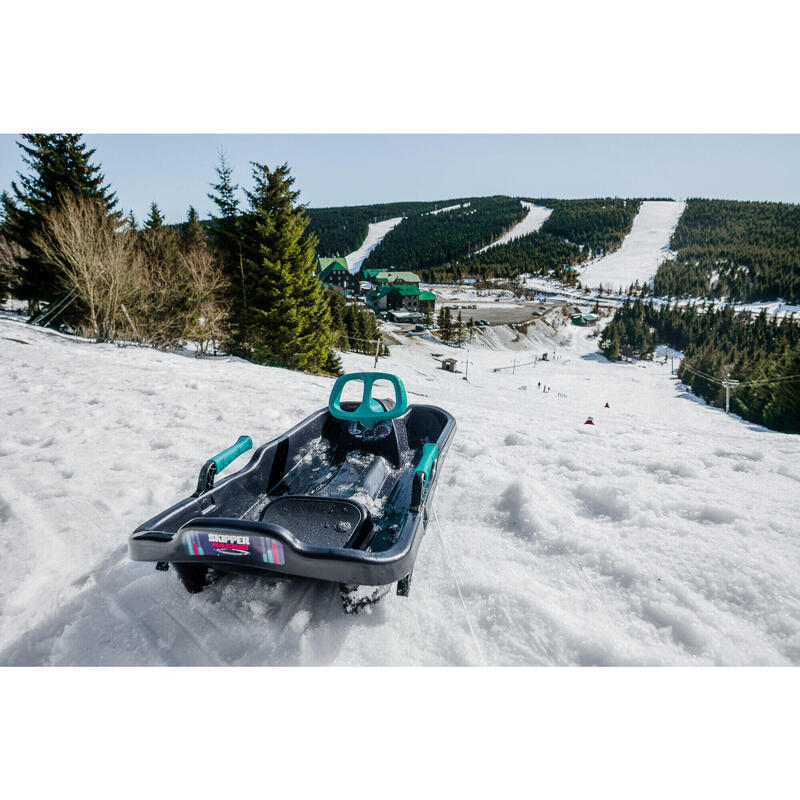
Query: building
(388, 297)
(334, 272)
(449, 364)
(427, 301)
(393, 276)
(584, 319)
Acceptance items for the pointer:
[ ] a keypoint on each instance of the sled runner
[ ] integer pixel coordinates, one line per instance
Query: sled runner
(343, 497)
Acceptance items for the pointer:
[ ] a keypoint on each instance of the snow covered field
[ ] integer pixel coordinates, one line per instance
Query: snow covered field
(530, 223)
(642, 251)
(664, 534)
(375, 233)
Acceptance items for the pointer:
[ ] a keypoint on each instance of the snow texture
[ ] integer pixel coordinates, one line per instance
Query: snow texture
(664, 534)
(530, 223)
(642, 251)
(375, 233)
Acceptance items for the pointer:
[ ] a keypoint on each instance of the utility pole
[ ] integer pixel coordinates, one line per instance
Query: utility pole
(377, 352)
(514, 368)
(466, 367)
(728, 384)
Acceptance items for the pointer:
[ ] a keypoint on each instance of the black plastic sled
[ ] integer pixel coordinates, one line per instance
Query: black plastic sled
(343, 497)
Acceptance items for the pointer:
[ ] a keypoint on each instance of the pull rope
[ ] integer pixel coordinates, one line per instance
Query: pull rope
(458, 587)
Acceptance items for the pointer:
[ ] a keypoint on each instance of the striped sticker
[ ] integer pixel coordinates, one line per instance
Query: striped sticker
(254, 547)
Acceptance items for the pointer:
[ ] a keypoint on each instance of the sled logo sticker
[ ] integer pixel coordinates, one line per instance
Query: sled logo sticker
(269, 551)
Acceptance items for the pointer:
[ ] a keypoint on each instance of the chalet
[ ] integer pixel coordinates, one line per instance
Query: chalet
(335, 273)
(387, 297)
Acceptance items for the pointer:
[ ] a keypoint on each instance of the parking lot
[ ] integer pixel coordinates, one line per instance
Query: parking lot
(502, 312)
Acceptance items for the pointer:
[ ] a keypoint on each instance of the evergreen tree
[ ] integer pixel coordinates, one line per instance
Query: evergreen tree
(226, 233)
(458, 331)
(287, 319)
(192, 233)
(445, 323)
(59, 164)
(156, 218)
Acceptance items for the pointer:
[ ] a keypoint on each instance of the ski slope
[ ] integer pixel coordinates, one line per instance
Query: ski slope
(375, 233)
(642, 251)
(530, 223)
(664, 534)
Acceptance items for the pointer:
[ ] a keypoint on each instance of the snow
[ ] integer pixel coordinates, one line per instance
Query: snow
(664, 534)
(449, 208)
(530, 223)
(375, 233)
(642, 251)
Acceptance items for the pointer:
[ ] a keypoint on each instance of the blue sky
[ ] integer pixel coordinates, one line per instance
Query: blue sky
(175, 170)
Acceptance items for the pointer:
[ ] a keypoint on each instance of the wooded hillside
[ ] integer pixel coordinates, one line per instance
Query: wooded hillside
(741, 251)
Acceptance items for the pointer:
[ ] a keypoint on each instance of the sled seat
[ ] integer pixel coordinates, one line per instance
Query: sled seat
(322, 521)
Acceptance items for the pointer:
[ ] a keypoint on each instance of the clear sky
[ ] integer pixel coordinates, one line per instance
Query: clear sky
(175, 170)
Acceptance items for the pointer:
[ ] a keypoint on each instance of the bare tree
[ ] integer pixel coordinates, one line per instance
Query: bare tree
(11, 255)
(96, 257)
(206, 287)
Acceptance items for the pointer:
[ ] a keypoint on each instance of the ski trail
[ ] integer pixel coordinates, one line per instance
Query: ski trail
(448, 208)
(530, 223)
(642, 251)
(375, 234)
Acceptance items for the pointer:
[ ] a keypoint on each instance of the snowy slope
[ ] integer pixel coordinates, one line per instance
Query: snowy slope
(375, 234)
(664, 534)
(530, 223)
(448, 208)
(642, 251)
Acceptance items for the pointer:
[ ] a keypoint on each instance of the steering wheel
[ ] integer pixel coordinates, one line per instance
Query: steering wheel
(369, 412)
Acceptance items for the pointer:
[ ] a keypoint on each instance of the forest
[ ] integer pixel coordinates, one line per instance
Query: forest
(537, 253)
(424, 241)
(736, 250)
(341, 229)
(573, 233)
(600, 224)
(244, 282)
(761, 352)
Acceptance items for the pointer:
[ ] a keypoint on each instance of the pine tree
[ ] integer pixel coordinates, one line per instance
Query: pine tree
(287, 319)
(192, 233)
(445, 323)
(226, 233)
(156, 218)
(459, 331)
(59, 164)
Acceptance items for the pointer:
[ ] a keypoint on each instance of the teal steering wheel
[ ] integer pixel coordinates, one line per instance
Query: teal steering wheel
(369, 411)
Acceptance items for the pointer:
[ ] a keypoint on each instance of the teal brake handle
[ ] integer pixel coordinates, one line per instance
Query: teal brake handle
(423, 472)
(217, 463)
(369, 412)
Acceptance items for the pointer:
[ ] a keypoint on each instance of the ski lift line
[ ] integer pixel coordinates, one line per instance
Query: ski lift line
(458, 588)
(66, 300)
(782, 379)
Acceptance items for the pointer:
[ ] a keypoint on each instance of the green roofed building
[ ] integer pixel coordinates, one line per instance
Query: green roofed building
(379, 276)
(584, 319)
(400, 296)
(334, 272)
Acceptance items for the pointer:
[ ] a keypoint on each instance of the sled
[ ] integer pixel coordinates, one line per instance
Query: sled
(343, 496)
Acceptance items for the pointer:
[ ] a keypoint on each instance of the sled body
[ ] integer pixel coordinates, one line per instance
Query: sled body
(321, 501)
